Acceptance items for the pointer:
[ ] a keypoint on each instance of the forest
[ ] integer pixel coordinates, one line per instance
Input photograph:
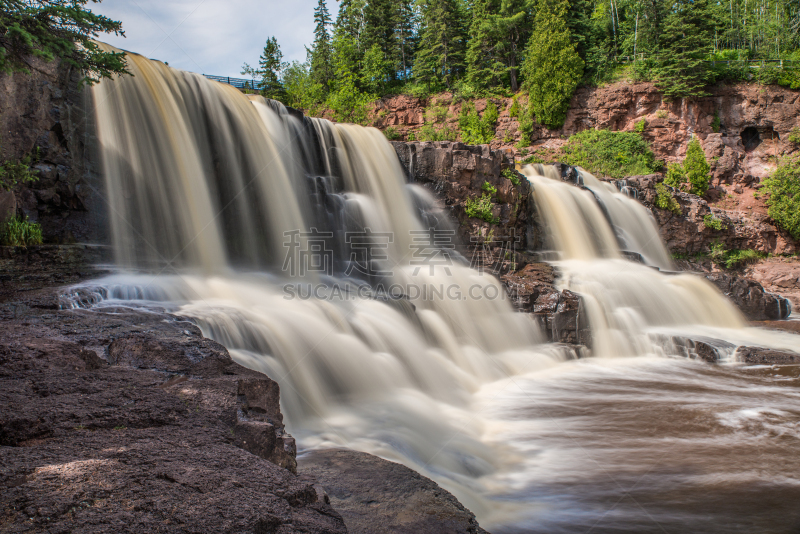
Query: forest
(547, 48)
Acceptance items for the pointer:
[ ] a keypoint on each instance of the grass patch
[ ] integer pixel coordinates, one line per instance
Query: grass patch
(481, 208)
(391, 133)
(733, 259)
(19, 232)
(712, 222)
(607, 153)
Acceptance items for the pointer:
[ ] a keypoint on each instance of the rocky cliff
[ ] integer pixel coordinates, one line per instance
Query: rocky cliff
(46, 113)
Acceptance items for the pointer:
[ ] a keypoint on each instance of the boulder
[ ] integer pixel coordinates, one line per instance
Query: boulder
(376, 496)
(762, 356)
(750, 297)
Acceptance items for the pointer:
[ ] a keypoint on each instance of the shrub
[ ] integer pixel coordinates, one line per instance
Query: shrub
(18, 172)
(614, 154)
(512, 175)
(665, 200)
(696, 168)
(676, 176)
(429, 132)
(481, 208)
(436, 113)
(513, 111)
(19, 232)
(526, 126)
(662, 114)
(489, 188)
(712, 222)
(640, 126)
(477, 130)
(716, 124)
(732, 259)
(391, 133)
(691, 175)
(794, 136)
(783, 188)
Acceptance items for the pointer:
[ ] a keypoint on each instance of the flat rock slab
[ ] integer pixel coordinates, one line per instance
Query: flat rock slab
(377, 496)
(762, 356)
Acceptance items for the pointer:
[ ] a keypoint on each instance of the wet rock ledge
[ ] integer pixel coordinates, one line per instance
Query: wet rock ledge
(121, 420)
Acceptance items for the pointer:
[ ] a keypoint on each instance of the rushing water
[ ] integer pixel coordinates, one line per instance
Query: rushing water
(298, 245)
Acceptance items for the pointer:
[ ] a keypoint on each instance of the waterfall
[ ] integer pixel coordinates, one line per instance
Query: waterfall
(298, 245)
(631, 306)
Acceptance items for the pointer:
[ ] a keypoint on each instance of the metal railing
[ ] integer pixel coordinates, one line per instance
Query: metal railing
(239, 83)
(752, 63)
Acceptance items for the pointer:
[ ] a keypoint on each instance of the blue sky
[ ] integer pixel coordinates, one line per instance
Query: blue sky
(212, 36)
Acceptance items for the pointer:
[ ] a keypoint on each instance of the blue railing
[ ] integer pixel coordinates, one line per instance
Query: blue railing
(239, 83)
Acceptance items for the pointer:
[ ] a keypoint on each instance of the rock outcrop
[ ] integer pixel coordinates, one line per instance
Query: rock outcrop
(46, 112)
(376, 496)
(762, 356)
(456, 173)
(750, 297)
(116, 419)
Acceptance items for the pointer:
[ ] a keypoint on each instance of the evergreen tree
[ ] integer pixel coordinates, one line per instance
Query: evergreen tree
(682, 69)
(380, 22)
(271, 65)
(696, 167)
(440, 57)
(350, 20)
(321, 55)
(513, 29)
(406, 35)
(57, 28)
(483, 68)
(552, 67)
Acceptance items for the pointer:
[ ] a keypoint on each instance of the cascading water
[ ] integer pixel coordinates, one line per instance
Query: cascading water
(298, 245)
(631, 306)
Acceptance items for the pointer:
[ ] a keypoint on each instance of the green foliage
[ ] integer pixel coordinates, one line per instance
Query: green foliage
(62, 29)
(676, 176)
(732, 259)
(640, 126)
(18, 172)
(321, 54)
(19, 232)
(513, 111)
(714, 223)
(429, 132)
(481, 208)
(270, 66)
(301, 91)
(665, 200)
(607, 153)
(443, 39)
(347, 102)
(662, 114)
(696, 168)
(682, 69)
(691, 175)
(794, 136)
(716, 123)
(512, 175)
(526, 126)
(391, 133)
(783, 188)
(552, 67)
(436, 113)
(489, 188)
(476, 130)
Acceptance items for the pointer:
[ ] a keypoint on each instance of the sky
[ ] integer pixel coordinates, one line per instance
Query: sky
(212, 36)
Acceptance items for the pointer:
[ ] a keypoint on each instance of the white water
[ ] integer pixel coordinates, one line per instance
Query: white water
(206, 182)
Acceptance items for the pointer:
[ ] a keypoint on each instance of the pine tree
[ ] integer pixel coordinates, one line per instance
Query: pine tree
(682, 70)
(406, 35)
(57, 28)
(696, 167)
(350, 20)
(483, 68)
(321, 55)
(271, 65)
(552, 67)
(513, 28)
(440, 57)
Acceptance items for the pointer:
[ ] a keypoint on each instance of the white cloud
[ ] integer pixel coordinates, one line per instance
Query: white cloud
(212, 36)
